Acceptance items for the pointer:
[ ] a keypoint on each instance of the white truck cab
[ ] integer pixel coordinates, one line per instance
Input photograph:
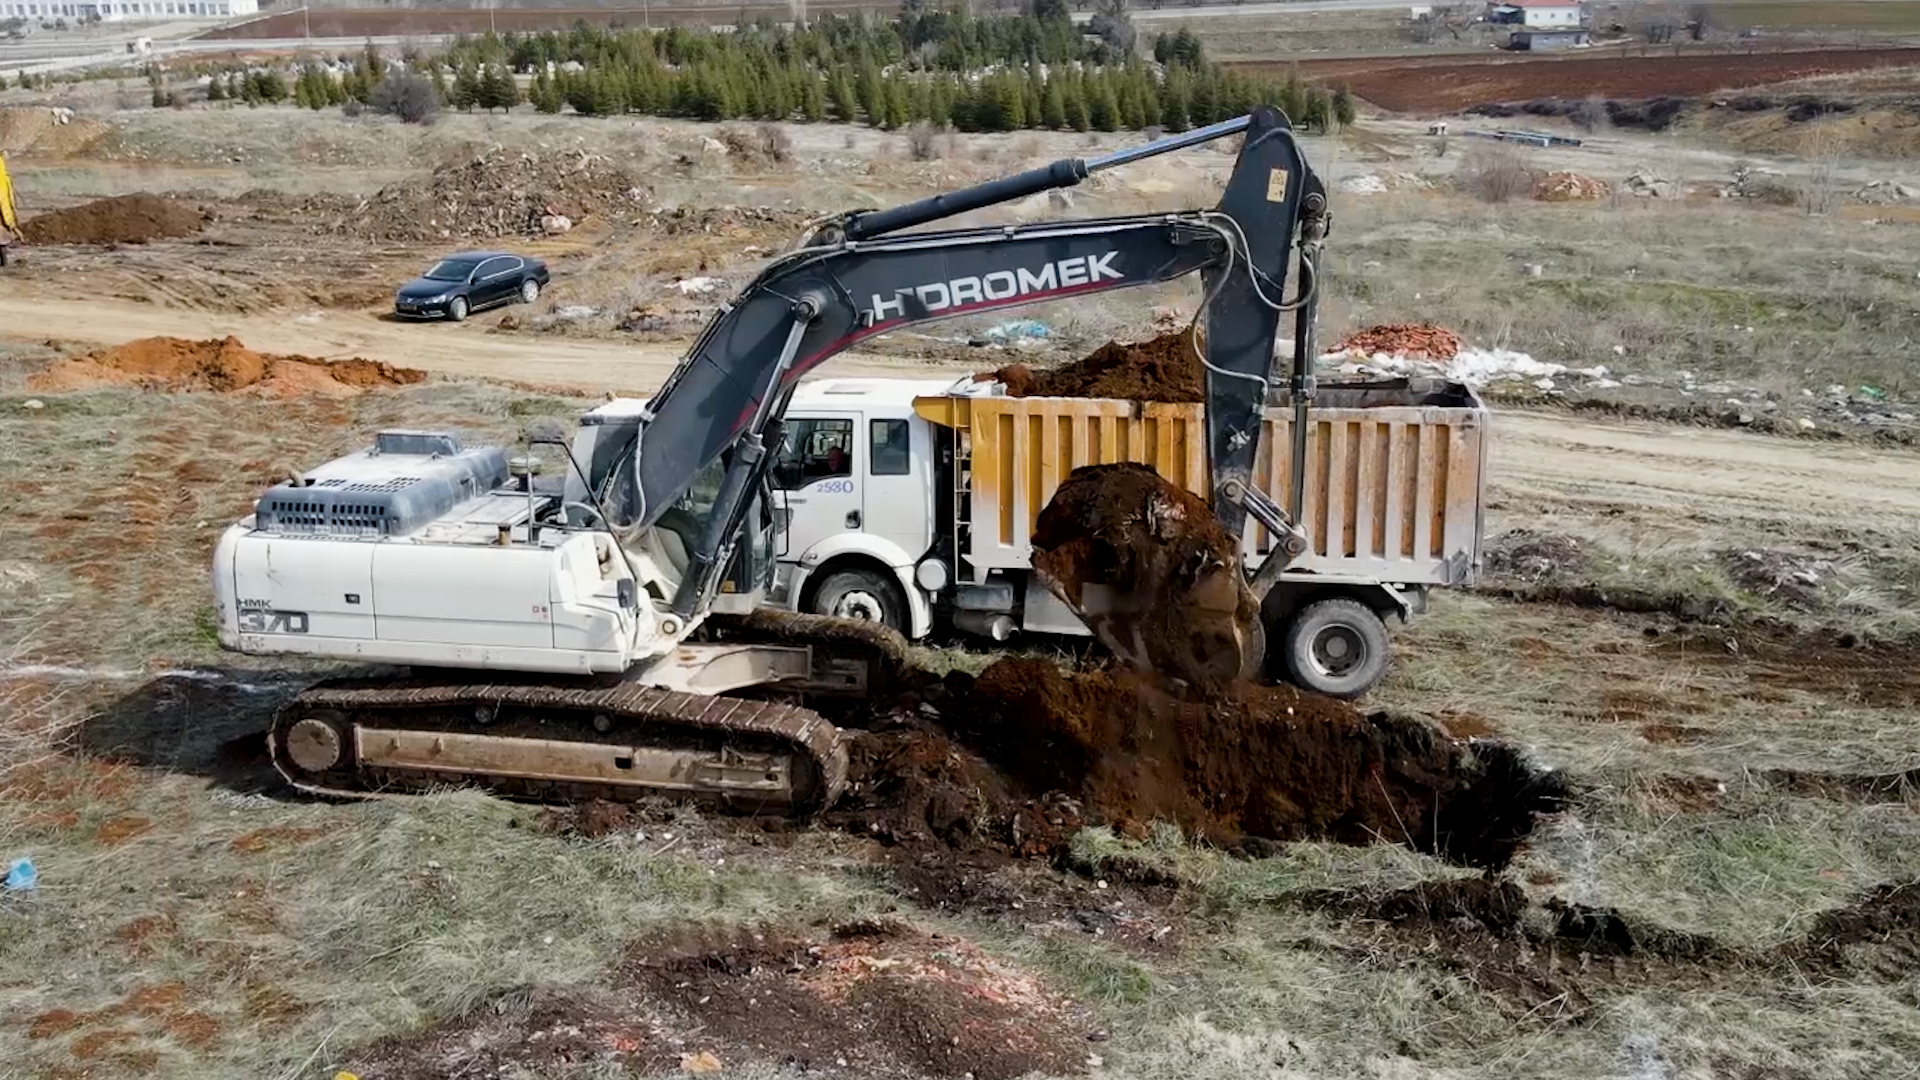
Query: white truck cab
(854, 485)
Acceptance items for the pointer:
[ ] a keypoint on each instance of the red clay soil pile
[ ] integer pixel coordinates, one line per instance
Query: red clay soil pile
(1415, 341)
(1163, 369)
(1149, 569)
(123, 219)
(1256, 761)
(220, 366)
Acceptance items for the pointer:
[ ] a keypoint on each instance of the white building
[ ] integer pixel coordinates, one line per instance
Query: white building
(126, 10)
(1535, 14)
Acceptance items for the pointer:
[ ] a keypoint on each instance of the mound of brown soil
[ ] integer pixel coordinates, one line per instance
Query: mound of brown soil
(48, 133)
(878, 999)
(499, 193)
(1150, 571)
(1270, 762)
(1417, 341)
(123, 219)
(1163, 369)
(220, 366)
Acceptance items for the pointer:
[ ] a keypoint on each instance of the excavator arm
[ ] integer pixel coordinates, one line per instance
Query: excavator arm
(862, 276)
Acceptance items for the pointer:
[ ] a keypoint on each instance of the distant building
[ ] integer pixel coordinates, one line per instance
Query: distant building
(1544, 40)
(127, 10)
(1539, 14)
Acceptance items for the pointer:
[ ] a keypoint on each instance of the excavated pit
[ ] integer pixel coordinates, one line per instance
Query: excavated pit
(1256, 762)
(1164, 369)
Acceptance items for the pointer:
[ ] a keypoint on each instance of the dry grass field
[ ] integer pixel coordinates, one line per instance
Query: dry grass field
(1710, 633)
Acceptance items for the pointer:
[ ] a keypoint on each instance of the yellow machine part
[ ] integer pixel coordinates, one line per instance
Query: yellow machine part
(9, 220)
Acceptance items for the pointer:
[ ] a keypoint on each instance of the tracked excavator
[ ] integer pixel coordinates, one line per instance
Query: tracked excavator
(597, 634)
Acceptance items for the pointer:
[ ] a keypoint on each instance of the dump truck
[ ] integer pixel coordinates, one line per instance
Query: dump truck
(912, 503)
(9, 218)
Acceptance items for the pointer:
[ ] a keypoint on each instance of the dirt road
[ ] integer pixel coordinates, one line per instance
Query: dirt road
(435, 347)
(1701, 473)
(1538, 459)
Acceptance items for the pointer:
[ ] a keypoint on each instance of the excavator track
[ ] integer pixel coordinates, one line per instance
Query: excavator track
(558, 743)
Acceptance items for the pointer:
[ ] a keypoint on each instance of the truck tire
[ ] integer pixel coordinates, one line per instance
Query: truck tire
(863, 595)
(1335, 647)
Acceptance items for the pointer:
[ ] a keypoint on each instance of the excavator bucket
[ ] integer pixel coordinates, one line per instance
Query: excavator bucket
(1145, 564)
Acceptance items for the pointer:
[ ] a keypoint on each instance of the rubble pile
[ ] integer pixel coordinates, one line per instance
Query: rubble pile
(1412, 341)
(496, 194)
(1569, 187)
(728, 220)
(1647, 185)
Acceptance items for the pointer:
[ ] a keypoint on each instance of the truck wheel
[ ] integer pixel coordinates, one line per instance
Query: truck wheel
(1335, 647)
(863, 595)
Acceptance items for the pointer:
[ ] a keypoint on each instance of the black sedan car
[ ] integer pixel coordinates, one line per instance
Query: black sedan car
(459, 285)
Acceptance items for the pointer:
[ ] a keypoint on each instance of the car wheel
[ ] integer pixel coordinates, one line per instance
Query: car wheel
(1335, 647)
(863, 595)
(529, 291)
(457, 309)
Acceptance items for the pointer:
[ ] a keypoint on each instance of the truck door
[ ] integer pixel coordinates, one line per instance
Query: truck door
(899, 482)
(817, 480)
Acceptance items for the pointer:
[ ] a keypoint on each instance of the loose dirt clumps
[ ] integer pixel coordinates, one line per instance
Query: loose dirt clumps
(123, 219)
(1415, 341)
(220, 365)
(1257, 761)
(1150, 570)
(499, 193)
(1164, 369)
(872, 998)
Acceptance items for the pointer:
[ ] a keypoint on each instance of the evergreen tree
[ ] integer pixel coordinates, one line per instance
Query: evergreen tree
(217, 88)
(1344, 113)
(498, 90)
(159, 97)
(899, 110)
(813, 100)
(376, 68)
(1075, 95)
(466, 87)
(840, 97)
(545, 97)
(1102, 109)
(440, 82)
(1053, 107)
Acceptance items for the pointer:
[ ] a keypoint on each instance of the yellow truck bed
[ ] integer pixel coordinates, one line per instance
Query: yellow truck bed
(1394, 471)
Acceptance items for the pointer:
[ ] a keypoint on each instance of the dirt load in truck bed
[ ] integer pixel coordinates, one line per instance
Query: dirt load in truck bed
(1164, 369)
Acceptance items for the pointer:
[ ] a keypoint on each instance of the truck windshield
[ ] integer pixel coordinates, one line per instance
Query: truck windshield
(451, 270)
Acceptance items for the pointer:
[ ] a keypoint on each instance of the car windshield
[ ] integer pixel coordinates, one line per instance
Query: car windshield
(452, 269)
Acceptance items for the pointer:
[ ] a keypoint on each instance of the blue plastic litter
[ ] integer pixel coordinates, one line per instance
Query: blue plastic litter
(1019, 328)
(21, 876)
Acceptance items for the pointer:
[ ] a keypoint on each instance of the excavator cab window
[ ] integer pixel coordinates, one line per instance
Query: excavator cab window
(817, 449)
